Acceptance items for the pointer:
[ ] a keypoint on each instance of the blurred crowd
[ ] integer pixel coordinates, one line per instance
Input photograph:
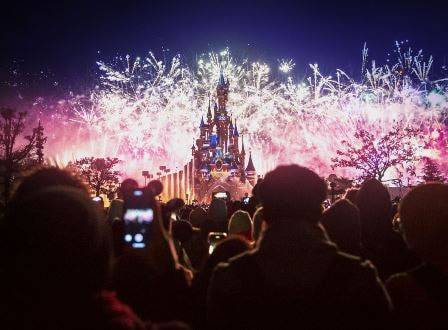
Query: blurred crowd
(274, 260)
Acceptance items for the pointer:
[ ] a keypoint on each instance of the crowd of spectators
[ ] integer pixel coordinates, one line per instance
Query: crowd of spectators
(279, 261)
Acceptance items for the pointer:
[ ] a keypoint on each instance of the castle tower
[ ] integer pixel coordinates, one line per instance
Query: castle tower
(222, 119)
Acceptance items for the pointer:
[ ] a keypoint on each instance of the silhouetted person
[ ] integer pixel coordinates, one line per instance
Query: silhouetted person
(47, 177)
(197, 246)
(153, 296)
(240, 224)
(217, 212)
(341, 221)
(182, 233)
(55, 262)
(224, 250)
(420, 296)
(351, 195)
(197, 216)
(381, 244)
(295, 278)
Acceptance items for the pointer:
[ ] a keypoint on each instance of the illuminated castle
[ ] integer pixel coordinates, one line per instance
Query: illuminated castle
(217, 149)
(218, 163)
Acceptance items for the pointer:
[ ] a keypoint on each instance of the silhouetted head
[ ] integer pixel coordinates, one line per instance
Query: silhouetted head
(47, 177)
(218, 210)
(291, 192)
(341, 221)
(53, 245)
(351, 195)
(241, 224)
(197, 217)
(182, 230)
(127, 186)
(374, 204)
(224, 250)
(424, 221)
(208, 226)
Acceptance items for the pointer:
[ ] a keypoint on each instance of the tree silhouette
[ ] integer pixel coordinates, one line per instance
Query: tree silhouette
(13, 157)
(98, 173)
(372, 156)
(40, 142)
(431, 172)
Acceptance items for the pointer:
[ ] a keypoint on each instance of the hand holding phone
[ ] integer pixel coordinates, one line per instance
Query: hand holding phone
(213, 239)
(138, 218)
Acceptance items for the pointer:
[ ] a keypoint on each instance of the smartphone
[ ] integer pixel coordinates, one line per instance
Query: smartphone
(221, 195)
(137, 224)
(213, 239)
(138, 218)
(246, 200)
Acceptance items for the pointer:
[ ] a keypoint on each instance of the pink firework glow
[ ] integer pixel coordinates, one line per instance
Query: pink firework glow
(147, 112)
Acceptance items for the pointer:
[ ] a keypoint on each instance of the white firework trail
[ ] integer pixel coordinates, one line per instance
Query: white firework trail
(147, 111)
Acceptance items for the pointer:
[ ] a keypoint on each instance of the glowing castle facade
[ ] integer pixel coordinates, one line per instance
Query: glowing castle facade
(218, 162)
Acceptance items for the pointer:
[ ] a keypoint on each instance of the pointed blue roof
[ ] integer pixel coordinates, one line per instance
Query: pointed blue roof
(202, 123)
(235, 132)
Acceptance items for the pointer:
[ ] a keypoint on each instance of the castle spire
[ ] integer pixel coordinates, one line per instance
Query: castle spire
(250, 164)
(209, 112)
(202, 125)
(235, 132)
(243, 152)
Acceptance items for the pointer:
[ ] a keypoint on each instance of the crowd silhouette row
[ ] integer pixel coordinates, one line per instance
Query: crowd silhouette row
(278, 261)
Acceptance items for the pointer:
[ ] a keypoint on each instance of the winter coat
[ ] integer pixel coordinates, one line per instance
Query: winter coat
(296, 279)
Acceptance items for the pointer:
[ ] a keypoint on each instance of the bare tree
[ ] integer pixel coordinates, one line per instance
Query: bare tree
(372, 156)
(13, 157)
(98, 173)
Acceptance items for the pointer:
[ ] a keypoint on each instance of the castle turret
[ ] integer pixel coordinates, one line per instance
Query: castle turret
(193, 149)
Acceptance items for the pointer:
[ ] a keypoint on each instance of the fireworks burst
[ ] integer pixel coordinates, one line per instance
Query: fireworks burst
(286, 66)
(147, 111)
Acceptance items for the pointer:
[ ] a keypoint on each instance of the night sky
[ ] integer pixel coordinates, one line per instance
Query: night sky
(67, 38)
